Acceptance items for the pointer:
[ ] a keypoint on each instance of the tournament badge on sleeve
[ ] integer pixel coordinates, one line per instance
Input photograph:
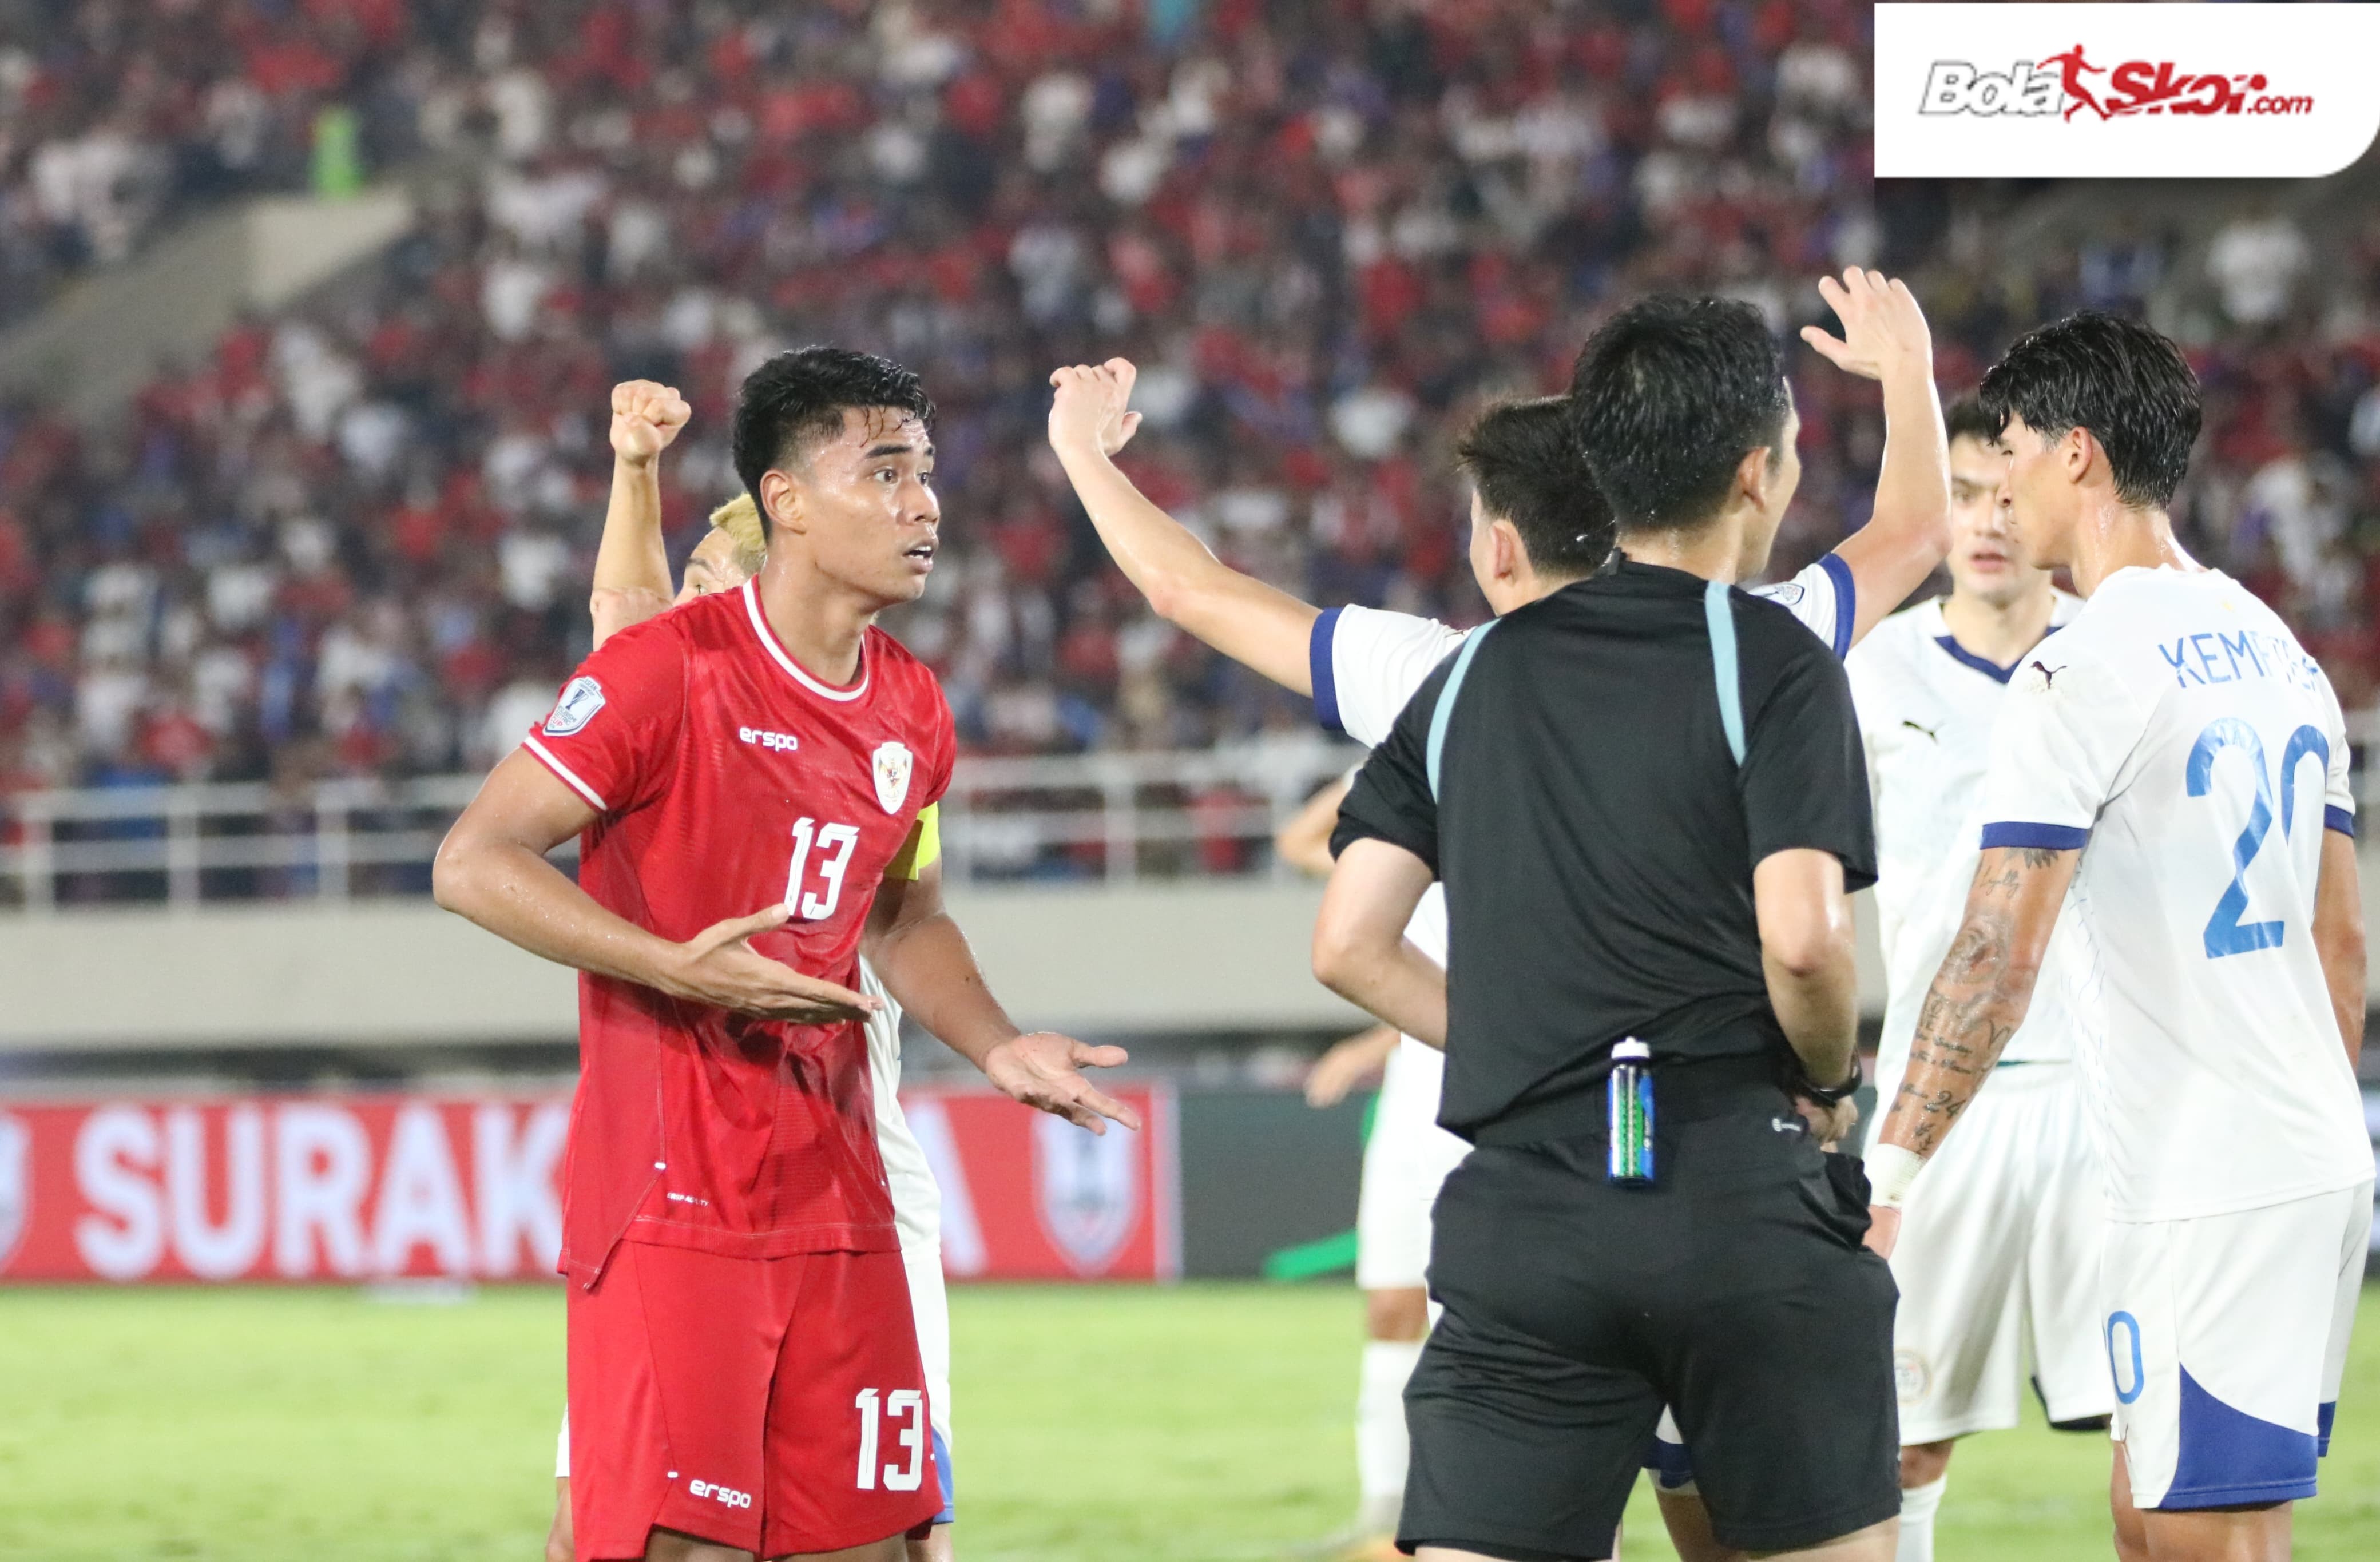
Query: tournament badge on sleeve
(579, 702)
(892, 763)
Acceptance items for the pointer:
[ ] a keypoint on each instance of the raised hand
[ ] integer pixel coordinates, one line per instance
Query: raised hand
(1089, 409)
(720, 966)
(1883, 330)
(1045, 1069)
(645, 417)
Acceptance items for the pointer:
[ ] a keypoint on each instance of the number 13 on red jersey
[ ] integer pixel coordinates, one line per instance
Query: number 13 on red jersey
(835, 843)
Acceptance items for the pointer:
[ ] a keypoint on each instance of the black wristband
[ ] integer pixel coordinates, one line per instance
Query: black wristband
(1832, 1096)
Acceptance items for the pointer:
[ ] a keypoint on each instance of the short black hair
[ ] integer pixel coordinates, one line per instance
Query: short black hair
(800, 397)
(1524, 459)
(2126, 382)
(1667, 398)
(1966, 419)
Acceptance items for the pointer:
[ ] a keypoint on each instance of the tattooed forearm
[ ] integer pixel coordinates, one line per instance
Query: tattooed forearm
(1980, 996)
(1933, 1112)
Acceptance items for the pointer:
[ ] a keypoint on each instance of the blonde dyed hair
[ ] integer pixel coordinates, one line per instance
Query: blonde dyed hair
(740, 519)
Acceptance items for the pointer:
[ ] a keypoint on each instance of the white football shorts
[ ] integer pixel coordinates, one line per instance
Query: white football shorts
(1997, 1263)
(930, 1303)
(1405, 1160)
(2227, 1338)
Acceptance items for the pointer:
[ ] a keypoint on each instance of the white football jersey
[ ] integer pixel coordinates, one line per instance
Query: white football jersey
(916, 1198)
(2178, 734)
(1926, 709)
(1367, 664)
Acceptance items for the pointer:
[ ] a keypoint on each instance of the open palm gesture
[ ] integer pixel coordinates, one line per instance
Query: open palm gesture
(1883, 327)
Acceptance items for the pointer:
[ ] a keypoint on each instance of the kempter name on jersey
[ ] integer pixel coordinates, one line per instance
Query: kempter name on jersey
(2215, 656)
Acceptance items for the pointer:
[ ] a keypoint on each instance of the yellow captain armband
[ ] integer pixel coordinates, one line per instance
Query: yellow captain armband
(923, 848)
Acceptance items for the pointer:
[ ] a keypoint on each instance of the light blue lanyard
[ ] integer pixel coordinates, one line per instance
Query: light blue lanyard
(1721, 615)
(1437, 717)
(1717, 613)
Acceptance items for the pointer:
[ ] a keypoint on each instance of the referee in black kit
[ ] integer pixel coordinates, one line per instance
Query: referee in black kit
(1645, 795)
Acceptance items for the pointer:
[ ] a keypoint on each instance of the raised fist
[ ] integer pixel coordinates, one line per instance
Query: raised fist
(645, 418)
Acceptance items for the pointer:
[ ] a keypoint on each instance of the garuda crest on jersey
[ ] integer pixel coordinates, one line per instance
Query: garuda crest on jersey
(892, 763)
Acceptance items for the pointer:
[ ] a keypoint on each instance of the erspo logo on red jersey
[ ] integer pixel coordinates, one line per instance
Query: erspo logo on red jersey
(2123, 91)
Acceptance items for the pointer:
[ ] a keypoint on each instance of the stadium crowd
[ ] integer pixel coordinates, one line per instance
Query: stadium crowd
(115, 119)
(356, 540)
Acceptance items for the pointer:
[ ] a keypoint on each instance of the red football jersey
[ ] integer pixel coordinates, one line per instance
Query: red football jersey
(731, 780)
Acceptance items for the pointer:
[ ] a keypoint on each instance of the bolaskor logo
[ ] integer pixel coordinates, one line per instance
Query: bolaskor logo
(2088, 90)
(15, 1184)
(581, 698)
(2059, 85)
(1087, 1189)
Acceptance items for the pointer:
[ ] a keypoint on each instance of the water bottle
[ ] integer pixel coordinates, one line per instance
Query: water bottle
(1630, 1113)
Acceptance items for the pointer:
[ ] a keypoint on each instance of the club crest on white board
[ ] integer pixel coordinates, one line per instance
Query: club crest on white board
(1086, 1191)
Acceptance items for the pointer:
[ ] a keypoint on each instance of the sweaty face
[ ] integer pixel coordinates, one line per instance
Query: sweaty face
(860, 507)
(1986, 561)
(710, 567)
(2039, 497)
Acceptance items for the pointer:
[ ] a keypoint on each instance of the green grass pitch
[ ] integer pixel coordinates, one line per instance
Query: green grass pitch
(1201, 1424)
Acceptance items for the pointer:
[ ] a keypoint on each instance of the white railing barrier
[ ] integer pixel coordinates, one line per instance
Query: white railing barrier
(1111, 817)
(1115, 816)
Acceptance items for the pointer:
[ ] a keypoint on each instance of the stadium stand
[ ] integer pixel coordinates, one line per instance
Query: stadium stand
(118, 120)
(353, 541)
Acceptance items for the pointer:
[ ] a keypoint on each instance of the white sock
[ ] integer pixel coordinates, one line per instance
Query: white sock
(1381, 1451)
(1918, 1505)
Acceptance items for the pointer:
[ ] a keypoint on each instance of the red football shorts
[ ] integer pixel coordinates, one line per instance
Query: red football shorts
(773, 1404)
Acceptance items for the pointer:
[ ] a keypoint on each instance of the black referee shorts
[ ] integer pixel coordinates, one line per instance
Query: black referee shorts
(1735, 1291)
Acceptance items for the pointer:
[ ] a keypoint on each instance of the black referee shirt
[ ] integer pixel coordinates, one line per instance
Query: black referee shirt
(1596, 836)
